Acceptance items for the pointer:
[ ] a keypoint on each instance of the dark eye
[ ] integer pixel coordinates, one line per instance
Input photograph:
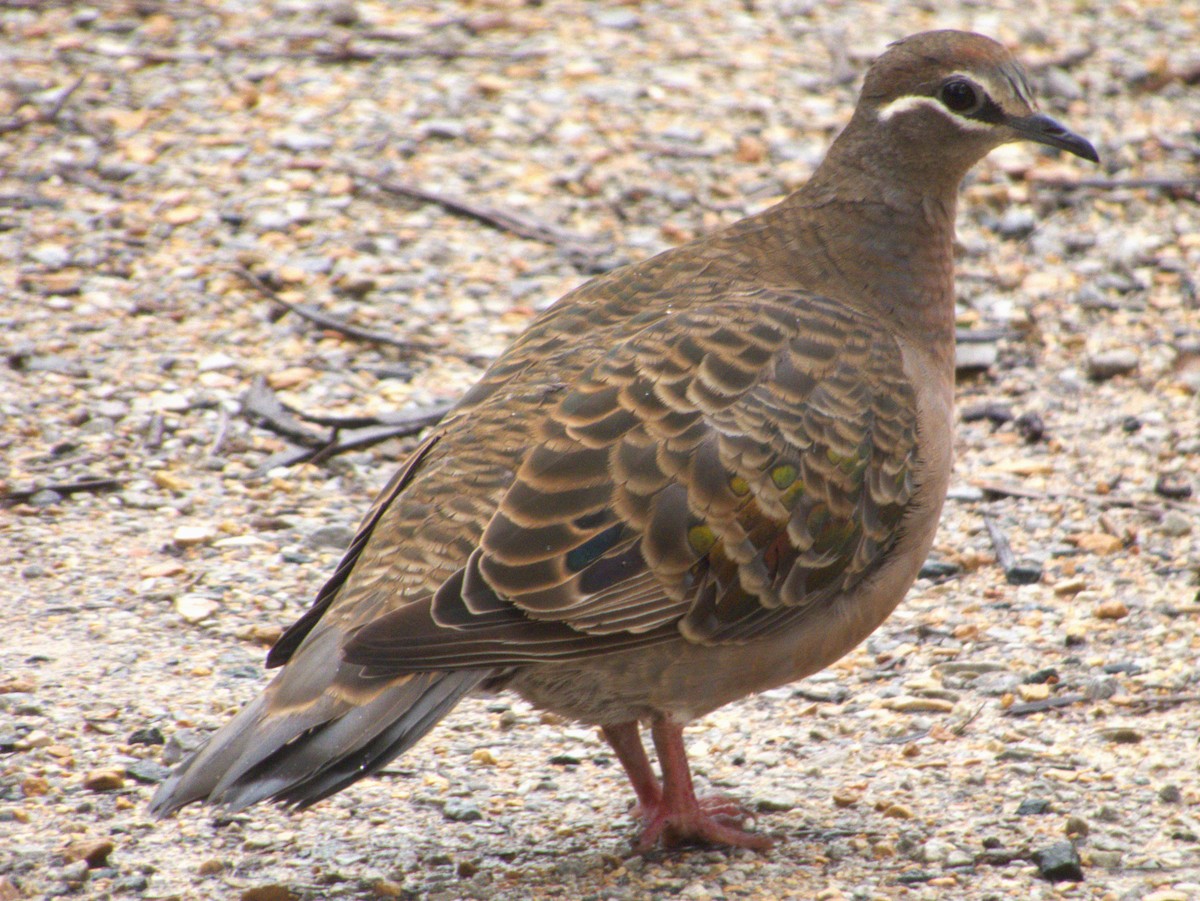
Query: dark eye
(959, 96)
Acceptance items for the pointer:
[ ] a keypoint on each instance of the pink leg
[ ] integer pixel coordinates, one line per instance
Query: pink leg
(672, 814)
(626, 740)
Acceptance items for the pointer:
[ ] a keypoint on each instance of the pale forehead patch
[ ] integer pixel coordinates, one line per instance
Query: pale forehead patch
(914, 101)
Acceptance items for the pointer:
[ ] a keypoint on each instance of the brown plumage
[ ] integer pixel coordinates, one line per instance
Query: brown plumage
(691, 479)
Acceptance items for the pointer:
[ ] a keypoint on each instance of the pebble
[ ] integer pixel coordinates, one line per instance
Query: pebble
(1170, 794)
(303, 141)
(1077, 826)
(190, 536)
(1104, 365)
(274, 892)
(907, 704)
(148, 736)
(336, 537)
(461, 811)
(938, 569)
(967, 494)
(195, 607)
(1108, 860)
(94, 852)
(1016, 222)
(52, 256)
(216, 361)
(775, 803)
(1059, 862)
(1030, 427)
(934, 851)
(1121, 735)
(1175, 524)
(1111, 610)
(1173, 485)
(130, 885)
(957, 858)
(1057, 83)
(996, 684)
(75, 873)
(974, 356)
(1033, 807)
(46, 497)
(1024, 572)
(148, 772)
(106, 780)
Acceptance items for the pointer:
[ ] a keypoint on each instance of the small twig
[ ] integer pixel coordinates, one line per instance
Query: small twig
(403, 426)
(1041, 706)
(1163, 701)
(960, 727)
(362, 438)
(44, 116)
(515, 223)
(1156, 510)
(344, 52)
(324, 320)
(96, 484)
(154, 432)
(1014, 573)
(51, 114)
(1067, 60)
(983, 335)
(1163, 183)
(260, 401)
(1004, 554)
(218, 442)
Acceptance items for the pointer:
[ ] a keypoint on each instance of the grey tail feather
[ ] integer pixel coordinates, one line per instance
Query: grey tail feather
(297, 761)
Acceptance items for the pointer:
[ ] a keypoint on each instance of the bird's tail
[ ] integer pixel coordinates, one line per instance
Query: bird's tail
(315, 730)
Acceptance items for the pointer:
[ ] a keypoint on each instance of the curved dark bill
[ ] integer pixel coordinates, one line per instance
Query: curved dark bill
(1045, 130)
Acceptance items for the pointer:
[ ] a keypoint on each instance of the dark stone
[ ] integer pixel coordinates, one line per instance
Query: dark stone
(148, 772)
(1173, 485)
(1170, 794)
(130, 884)
(461, 811)
(1033, 807)
(938, 569)
(1059, 863)
(995, 413)
(1041, 676)
(1023, 573)
(565, 760)
(1128, 667)
(1030, 427)
(148, 736)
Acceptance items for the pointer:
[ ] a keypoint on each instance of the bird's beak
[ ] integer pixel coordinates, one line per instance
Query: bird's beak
(1045, 130)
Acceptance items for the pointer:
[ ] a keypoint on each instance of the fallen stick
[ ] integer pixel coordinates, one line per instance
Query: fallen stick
(1100, 500)
(516, 223)
(324, 320)
(96, 484)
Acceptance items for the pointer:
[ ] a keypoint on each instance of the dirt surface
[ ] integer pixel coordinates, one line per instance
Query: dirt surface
(151, 152)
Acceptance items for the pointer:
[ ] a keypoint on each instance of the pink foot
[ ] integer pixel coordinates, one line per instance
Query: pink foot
(671, 814)
(714, 820)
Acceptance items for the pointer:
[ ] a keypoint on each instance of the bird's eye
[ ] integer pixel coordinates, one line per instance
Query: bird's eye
(960, 96)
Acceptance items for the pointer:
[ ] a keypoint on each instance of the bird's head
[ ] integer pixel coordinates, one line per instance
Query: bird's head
(939, 101)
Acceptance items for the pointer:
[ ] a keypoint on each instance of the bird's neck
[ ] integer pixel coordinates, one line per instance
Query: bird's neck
(869, 239)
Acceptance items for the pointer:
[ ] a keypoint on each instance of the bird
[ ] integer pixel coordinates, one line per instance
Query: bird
(691, 479)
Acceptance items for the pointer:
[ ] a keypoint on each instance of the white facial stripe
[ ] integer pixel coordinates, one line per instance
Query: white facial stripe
(913, 101)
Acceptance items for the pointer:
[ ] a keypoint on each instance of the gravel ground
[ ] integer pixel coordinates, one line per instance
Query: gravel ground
(989, 737)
